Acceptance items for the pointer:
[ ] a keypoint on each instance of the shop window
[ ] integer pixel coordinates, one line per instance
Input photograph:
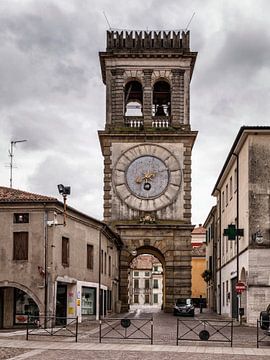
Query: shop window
(155, 283)
(90, 257)
(20, 245)
(88, 306)
(133, 98)
(162, 99)
(20, 218)
(65, 251)
(24, 306)
(155, 298)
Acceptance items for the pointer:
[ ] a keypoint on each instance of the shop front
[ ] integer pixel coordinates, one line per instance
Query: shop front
(16, 306)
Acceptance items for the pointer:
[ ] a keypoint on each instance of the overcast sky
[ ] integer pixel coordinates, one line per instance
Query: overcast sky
(51, 92)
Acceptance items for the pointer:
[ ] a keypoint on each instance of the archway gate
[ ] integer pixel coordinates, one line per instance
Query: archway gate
(171, 245)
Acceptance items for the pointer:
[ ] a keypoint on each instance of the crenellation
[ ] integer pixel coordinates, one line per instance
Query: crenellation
(145, 40)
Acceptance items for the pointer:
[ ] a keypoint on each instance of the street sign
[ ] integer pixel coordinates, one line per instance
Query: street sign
(240, 287)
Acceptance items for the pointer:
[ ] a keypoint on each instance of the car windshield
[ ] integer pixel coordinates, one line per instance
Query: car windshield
(181, 302)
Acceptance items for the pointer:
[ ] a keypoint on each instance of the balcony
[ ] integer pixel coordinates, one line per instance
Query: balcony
(138, 122)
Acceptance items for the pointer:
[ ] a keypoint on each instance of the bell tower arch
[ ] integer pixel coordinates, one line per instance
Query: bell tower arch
(147, 144)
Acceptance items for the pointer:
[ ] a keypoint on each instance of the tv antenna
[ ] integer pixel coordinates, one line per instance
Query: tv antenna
(110, 28)
(190, 21)
(11, 155)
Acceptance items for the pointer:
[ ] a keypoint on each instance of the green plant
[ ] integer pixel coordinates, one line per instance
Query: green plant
(207, 275)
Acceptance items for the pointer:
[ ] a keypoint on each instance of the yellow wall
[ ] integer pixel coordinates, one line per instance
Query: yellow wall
(198, 284)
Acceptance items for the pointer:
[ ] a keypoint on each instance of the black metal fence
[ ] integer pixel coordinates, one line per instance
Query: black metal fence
(263, 332)
(219, 331)
(126, 329)
(52, 326)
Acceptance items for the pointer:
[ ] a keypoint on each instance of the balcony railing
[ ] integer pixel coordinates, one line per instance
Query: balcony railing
(138, 122)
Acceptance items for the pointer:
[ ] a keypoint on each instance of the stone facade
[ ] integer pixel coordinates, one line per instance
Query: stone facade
(198, 263)
(242, 191)
(37, 272)
(147, 274)
(150, 71)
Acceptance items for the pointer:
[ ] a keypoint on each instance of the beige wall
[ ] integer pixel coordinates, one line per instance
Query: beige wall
(26, 276)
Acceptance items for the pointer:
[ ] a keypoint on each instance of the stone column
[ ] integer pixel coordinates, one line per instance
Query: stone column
(178, 269)
(117, 97)
(177, 98)
(147, 98)
(124, 268)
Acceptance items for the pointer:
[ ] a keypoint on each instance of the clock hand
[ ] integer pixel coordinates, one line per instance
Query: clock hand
(147, 176)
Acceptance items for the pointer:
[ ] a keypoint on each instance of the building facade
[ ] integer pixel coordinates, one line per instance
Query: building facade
(49, 268)
(147, 145)
(243, 195)
(146, 282)
(198, 264)
(211, 259)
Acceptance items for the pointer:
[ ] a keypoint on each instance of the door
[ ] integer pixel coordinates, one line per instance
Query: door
(105, 303)
(61, 304)
(100, 302)
(234, 299)
(1, 307)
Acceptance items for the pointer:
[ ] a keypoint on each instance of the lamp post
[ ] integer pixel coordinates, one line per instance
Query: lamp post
(64, 191)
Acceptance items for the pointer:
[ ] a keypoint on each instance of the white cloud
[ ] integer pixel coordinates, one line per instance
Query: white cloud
(51, 90)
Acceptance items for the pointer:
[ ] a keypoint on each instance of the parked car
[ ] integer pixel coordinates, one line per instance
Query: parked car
(183, 307)
(265, 320)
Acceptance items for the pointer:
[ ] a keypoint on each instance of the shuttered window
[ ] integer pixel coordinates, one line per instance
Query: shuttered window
(65, 251)
(90, 257)
(20, 245)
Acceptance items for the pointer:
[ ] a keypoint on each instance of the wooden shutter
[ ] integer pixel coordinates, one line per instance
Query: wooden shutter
(65, 251)
(90, 258)
(20, 245)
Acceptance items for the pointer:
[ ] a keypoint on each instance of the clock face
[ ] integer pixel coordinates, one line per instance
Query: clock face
(147, 177)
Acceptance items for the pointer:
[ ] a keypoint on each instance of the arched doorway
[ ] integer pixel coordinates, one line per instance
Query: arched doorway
(145, 288)
(127, 275)
(16, 304)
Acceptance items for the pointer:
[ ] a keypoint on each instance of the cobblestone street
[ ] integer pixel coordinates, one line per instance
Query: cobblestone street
(14, 346)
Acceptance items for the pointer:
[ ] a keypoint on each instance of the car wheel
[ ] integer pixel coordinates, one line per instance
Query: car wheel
(264, 320)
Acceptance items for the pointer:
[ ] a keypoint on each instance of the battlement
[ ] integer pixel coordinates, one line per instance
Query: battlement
(147, 40)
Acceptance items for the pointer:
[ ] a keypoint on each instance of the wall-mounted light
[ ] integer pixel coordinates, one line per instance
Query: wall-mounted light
(64, 191)
(258, 237)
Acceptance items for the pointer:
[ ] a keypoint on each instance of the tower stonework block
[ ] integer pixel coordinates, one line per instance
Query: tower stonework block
(147, 147)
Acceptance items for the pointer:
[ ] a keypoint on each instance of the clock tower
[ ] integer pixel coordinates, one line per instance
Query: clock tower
(147, 145)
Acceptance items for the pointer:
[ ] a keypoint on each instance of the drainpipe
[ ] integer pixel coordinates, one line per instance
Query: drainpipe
(237, 225)
(45, 261)
(220, 232)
